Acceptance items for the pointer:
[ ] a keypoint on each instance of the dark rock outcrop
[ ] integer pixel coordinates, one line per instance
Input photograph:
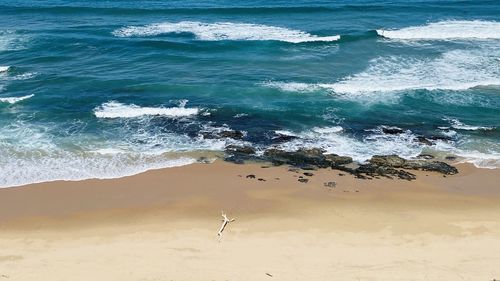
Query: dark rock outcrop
(280, 138)
(392, 130)
(305, 158)
(232, 134)
(394, 161)
(435, 166)
(372, 170)
(430, 140)
(240, 149)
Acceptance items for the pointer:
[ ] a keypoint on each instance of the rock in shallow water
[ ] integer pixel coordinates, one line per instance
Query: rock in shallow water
(232, 134)
(392, 130)
(306, 157)
(240, 149)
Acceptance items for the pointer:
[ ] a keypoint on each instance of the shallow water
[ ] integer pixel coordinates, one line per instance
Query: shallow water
(105, 89)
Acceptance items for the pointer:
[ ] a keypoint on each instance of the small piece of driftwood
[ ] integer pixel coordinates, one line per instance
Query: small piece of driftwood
(225, 221)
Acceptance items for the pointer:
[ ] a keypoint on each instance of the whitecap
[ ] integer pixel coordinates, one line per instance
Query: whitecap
(13, 100)
(114, 109)
(240, 115)
(10, 40)
(447, 30)
(224, 31)
(4, 69)
(453, 70)
(455, 123)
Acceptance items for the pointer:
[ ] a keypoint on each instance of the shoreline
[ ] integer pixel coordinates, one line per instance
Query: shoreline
(162, 224)
(14, 199)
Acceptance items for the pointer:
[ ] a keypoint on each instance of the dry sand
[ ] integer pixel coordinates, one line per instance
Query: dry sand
(162, 225)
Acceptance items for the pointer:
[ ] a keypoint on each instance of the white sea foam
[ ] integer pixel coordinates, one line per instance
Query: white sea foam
(33, 152)
(9, 40)
(24, 76)
(333, 140)
(490, 160)
(328, 130)
(455, 123)
(4, 69)
(13, 100)
(223, 31)
(454, 70)
(447, 30)
(293, 86)
(240, 115)
(70, 166)
(114, 109)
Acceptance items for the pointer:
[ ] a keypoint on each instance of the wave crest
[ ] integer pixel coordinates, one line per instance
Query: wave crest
(454, 70)
(446, 30)
(114, 109)
(13, 100)
(224, 31)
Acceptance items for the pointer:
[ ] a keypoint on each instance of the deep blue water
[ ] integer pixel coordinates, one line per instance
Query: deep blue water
(99, 89)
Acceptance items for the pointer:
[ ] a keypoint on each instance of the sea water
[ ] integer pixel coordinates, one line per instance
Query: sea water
(103, 89)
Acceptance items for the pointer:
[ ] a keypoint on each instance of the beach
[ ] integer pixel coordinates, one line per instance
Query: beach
(249, 140)
(163, 224)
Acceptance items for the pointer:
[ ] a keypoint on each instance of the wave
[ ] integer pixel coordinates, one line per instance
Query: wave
(447, 30)
(114, 109)
(405, 144)
(163, 11)
(335, 140)
(455, 123)
(454, 70)
(13, 100)
(4, 69)
(10, 41)
(35, 152)
(224, 31)
(71, 166)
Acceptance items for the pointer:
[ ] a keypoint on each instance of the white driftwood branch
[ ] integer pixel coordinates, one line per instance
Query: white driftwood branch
(225, 221)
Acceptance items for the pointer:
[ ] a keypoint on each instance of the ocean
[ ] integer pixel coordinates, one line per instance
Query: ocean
(104, 89)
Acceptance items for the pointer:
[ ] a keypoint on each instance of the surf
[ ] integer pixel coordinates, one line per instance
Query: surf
(114, 109)
(224, 31)
(446, 30)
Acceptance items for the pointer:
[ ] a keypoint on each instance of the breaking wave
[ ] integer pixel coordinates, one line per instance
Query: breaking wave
(114, 109)
(447, 30)
(455, 123)
(13, 100)
(454, 70)
(224, 31)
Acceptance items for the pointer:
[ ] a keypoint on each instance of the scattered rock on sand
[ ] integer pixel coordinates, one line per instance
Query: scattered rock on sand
(250, 176)
(303, 180)
(330, 184)
(308, 174)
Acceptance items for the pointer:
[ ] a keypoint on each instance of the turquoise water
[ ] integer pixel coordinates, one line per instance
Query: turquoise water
(102, 89)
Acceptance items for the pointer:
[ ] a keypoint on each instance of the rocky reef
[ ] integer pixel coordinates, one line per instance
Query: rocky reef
(390, 166)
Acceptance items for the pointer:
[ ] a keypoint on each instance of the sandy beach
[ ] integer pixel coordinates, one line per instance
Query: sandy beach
(162, 225)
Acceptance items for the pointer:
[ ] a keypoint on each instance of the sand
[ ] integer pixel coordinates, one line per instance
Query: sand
(162, 225)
